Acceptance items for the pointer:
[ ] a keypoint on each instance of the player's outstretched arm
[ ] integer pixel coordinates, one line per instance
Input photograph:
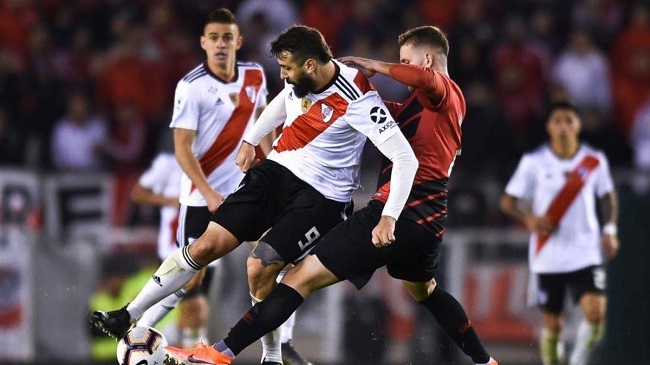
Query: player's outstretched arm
(405, 164)
(368, 66)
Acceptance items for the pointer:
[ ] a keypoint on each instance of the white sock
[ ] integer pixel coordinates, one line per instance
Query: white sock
(159, 310)
(588, 334)
(270, 342)
(286, 330)
(171, 276)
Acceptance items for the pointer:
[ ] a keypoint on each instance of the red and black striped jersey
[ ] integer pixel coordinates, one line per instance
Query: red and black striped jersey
(431, 120)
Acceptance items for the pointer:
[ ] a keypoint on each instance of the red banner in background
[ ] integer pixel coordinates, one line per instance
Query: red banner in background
(495, 299)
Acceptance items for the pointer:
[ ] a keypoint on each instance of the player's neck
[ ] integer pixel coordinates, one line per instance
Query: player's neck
(224, 72)
(442, 69)
(325, 75)
(565, 150)
(440, 65)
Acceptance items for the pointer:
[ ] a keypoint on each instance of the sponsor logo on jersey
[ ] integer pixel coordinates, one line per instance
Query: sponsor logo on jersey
(305, 104)
(326, 113)
(250, 92)
(378, 115)
(218, 102)
(212, 90)
(234, 97)
(387, 126)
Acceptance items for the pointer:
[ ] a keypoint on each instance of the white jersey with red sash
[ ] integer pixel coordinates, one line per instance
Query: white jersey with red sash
(565, 191)
(220, 112)
(324, 132)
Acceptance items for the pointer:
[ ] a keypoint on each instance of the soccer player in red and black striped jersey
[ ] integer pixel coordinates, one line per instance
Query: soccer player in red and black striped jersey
(431, 120)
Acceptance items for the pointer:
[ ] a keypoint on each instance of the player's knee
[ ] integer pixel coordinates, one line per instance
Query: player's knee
(213, 244)
(593, 307)
(420, 290)
(260, 276)
(594, 314)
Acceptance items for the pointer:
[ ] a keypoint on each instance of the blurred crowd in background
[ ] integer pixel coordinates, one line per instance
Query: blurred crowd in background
(87, 85)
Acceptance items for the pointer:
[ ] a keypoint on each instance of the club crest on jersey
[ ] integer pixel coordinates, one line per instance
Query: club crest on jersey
(326, 113)
(305, 104)
(234, 97)
(250, 92)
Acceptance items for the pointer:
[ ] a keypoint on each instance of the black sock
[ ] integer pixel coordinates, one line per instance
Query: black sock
(451, 316)
(263, 318)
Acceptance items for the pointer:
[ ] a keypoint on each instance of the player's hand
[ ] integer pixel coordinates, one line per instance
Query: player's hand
(214, 200)
(610, 246)
(540, 225)
(245, 157)
(384, 233)
(365, 65)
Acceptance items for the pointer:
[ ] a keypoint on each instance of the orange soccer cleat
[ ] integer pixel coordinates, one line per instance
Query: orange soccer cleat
(201, 354)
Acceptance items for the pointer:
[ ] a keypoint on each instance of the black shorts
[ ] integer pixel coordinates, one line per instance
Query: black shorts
(272, 197)
(192, 223)
(347, 251)
(552, 287)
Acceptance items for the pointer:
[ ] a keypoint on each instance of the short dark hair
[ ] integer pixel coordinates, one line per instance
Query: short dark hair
(221, 16)
(561, 105)
(303, 43)
(427, 35)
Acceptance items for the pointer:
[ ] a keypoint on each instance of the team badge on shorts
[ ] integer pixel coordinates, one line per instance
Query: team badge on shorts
(305, 104)
(234, 97)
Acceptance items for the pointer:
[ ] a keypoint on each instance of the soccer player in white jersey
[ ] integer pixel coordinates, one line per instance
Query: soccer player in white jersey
(159, 186)
(214, 104)
(568, 249)
(304, 187)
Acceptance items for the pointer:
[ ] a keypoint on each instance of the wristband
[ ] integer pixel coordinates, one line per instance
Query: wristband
(610, 229)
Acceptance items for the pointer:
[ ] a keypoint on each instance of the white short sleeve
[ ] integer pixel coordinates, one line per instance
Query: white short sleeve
(186, 108)
(604, 181)
(522, 182)
(370, 116)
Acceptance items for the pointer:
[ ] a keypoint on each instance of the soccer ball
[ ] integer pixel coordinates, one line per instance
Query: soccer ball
(141, 346)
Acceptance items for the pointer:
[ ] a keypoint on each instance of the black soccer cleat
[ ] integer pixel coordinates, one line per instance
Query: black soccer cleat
(114, 323)
(290, 356)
